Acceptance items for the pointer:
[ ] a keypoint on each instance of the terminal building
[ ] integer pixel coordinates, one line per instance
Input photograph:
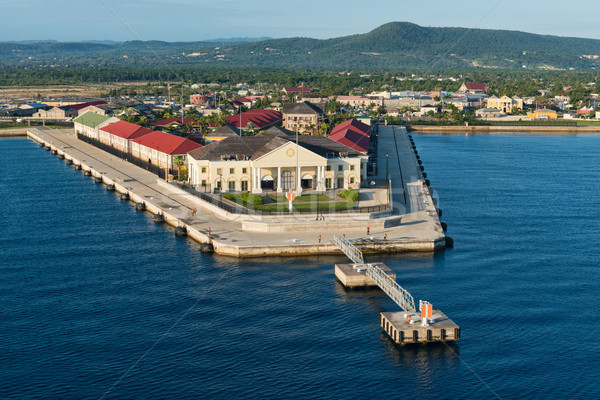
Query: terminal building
(274, 162)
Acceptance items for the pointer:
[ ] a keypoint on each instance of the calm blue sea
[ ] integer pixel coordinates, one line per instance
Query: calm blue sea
(96, 301)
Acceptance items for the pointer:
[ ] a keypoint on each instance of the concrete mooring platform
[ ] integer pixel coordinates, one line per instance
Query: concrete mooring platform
(353, 275)
(405, 328)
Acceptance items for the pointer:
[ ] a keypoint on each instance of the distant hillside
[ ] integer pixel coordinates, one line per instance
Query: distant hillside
(393, 45)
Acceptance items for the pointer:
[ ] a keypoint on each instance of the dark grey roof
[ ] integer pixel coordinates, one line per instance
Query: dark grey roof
(226, 130)
(233, 147)
(274, 143)
(324, 146)
(306, 107)
(276, 131)
(253, 147)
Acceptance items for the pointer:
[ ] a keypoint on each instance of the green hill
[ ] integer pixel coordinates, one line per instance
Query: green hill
(393, 45)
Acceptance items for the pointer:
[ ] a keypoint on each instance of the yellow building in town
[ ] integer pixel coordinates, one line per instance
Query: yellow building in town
(543, 113)
(505, 104)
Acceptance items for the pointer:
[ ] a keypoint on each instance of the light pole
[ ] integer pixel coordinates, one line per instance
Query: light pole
(298, 181)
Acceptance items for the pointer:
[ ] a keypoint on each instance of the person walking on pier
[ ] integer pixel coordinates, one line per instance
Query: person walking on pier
(319, 238)
(385, 236)
(209, 231)
(368, 230)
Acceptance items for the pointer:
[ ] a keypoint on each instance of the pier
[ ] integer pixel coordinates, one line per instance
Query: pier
(411, 224)
(409, 326)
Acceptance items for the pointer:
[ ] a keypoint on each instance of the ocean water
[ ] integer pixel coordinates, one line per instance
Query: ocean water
(98, 302)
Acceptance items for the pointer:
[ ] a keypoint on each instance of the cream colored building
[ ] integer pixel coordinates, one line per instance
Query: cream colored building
(276, 163)
(90, 123)
(359, 101)
(302, 116)
(505, 103)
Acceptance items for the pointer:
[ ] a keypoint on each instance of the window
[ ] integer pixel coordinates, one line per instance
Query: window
(203, 182)
(244, 186)
(244, 170)
(328, 183)
(340, 167)
(351, 179)
(203, 170)
(328, 168)
(231, 185)
(219, 171)
(352, 168)
(232, 171)
(218, 184)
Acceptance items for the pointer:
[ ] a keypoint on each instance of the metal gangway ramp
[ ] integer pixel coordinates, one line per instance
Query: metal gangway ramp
(389, 286)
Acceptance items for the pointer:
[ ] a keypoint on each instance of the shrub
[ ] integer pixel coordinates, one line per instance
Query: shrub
(350, 194)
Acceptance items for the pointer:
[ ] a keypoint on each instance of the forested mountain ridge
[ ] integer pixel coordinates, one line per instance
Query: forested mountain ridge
(393, 45)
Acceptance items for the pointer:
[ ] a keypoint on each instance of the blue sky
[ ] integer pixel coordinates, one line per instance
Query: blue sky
(187, 20)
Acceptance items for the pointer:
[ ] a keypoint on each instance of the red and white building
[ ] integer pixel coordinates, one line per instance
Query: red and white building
(159, 148)
(120, 134)
(473, 88)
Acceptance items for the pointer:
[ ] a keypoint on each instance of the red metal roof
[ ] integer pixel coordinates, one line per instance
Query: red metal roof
(297, 89)
(126, 130)
(167, 143)
(353, 134)
(84, 105)
(260, 118)
(169, 121)
(355, 125)
(476, 86)
(352, 139)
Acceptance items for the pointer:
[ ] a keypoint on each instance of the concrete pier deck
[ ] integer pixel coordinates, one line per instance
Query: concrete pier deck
(413, 227)
(353, 276)
(440, 329)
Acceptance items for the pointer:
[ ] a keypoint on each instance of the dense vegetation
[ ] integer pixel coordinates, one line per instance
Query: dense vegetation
(393, 45)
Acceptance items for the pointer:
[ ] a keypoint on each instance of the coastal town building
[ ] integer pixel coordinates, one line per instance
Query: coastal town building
(473, 88)
(201, 100)
(543, 113)
(160, 148)
(505, 104)
(89, 124)
(62, 112)
(272, 161)
(119, 135)
(302, 117)
(487, 113)
(359, 101)
(296, 90)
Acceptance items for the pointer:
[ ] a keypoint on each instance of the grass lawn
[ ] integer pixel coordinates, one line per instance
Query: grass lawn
(300, 199)
(308, 207)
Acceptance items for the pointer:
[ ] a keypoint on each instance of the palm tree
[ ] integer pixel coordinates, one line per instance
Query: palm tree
(178, 161)
(250, 127)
